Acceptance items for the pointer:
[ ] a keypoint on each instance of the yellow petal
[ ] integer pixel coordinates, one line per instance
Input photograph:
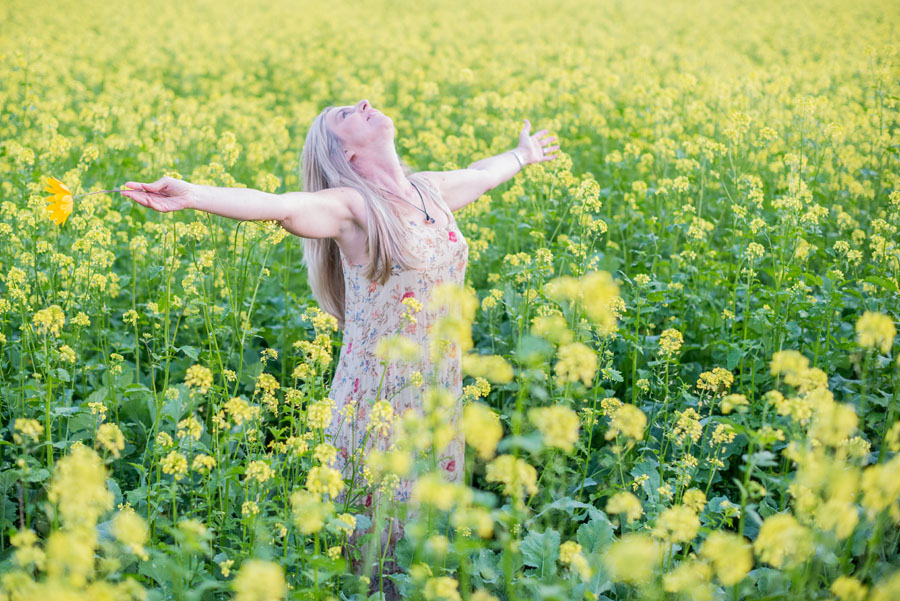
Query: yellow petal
(56, 187)
(60, 207)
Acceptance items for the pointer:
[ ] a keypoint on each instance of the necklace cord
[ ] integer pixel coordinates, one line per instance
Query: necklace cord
(424, 209)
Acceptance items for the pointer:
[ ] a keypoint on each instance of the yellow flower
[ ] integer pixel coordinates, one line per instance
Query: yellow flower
(30, 428)
(570, 553)
(259, 471)
(381, 417)
(190, 426)
(690, 578)
(678, 524)
(346, 523)
(432, 489)
(733, 400)
(552, 327)
(319, 413)
(886, 589)
(249, 508)
(259, 580)
(482, 429)
(576, 361)
(880, 486)
(848, 588)
(695, 499)
(323, 479)
(599, 293)
(782, 541)
(875, 330)
(628, 421)
(627, 503)
(492, 367)
(203, 463)
(833, 423)
(240, 410)
(632, 558)
(558, 425)
(71, 553)
(398, 348)
(60, 202)
(111, 438)
(198, 378)
(442, 588)
(49, 320)
(729, 555)
(79, 487)
(516, 474)
(473, 518)
(174, 463)
(130, 529)
(309, 511)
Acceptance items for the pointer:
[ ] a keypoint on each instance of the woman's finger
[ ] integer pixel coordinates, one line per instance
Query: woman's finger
(133, 196)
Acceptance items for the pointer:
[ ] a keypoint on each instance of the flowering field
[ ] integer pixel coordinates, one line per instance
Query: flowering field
(680, 356)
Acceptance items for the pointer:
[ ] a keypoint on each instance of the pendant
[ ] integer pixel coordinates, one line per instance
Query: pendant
(429, 219)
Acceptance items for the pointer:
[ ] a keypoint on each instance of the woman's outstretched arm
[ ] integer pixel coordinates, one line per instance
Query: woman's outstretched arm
(462, 186)
(323, 214)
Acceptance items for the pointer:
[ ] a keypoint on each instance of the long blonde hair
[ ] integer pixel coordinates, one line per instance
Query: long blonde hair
(324, 165)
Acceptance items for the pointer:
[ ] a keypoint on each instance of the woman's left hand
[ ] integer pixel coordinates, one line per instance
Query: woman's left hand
(534, 149)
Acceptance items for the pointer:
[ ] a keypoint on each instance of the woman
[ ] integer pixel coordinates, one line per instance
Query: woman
(375, 234)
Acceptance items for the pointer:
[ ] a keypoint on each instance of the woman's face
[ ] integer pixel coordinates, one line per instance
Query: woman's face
(360, 126)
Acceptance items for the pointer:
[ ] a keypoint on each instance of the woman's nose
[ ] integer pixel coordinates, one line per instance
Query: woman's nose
(363, 104)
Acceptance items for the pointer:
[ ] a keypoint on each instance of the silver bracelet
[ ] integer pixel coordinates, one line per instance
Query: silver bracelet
(521, 166)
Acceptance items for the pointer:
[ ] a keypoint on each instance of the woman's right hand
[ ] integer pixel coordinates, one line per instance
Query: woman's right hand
(164, 195)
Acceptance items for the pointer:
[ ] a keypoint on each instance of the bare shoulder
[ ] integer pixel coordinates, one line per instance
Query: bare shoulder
(328, 213)
(459, 187)
(351, 198)
(435, 178)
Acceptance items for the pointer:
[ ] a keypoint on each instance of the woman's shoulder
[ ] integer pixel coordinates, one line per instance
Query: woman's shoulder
(431, 181)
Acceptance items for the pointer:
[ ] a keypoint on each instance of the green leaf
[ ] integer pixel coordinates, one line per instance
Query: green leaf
(541, 550)
(569, 505)
(191, 351)
(883, 282)
(595, 535)
(486, 566)
(650, 486)
(530, 442)
(733, 358)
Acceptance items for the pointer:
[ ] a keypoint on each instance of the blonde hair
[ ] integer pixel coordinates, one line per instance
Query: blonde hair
(324, 165)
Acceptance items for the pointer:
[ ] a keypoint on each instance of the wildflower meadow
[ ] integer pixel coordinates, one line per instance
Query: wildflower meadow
(679, 337)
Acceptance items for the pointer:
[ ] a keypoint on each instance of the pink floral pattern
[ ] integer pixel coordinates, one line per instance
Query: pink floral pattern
(373, 311)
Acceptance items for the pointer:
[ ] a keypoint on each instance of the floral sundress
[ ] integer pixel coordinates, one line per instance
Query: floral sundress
(374, 310)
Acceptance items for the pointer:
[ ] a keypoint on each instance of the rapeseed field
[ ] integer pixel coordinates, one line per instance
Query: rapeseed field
(682, 380)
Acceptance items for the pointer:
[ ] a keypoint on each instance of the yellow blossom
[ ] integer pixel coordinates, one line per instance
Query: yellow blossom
(782, 541)
(875, 330)
(259, 580)
(111, 438)
(558, 425)
(729, 555)
(632, 558)
(482, 429)
(626, 503)
(516, 474)
(678, 524)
